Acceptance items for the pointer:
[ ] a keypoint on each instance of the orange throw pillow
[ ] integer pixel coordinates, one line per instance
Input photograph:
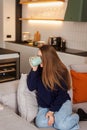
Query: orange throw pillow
(79, 83)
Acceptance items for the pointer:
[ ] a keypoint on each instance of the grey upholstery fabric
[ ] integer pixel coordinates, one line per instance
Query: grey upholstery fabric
(11, 121)
(83, 126)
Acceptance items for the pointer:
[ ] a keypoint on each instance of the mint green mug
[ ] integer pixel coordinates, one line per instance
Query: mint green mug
(35, 60)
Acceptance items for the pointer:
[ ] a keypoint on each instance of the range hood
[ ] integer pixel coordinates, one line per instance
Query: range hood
(76, 11)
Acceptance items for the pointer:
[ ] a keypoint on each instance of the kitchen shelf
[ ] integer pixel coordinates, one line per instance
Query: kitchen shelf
(6, 65)
(3, 79)
(39, 1)
(7, 70)
(41, 19)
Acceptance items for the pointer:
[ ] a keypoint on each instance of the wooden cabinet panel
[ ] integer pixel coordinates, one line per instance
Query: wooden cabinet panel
(76, 10)
(27, 1)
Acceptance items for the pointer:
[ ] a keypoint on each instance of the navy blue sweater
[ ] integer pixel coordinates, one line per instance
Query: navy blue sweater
(45, 97)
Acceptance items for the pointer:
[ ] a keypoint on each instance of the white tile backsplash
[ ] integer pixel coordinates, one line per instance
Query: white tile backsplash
(75, 33)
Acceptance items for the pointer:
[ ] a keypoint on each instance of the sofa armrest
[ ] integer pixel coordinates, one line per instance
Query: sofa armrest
(8, 94)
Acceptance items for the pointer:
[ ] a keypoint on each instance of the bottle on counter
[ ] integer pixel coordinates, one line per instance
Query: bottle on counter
(37, 36)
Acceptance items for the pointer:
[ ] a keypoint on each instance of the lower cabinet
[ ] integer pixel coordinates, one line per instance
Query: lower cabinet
(26, 52)
(69, 59)
(9, 69)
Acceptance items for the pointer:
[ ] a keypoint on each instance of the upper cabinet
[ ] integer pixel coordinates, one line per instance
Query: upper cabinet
(9, 24)
(76, 11)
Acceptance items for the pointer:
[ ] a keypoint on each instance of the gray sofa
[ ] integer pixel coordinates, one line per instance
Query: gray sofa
(10, 120)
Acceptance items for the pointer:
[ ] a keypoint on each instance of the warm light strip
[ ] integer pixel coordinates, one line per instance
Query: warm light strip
(35, 18)
(41, 1)
(45, 4)
(45, 22)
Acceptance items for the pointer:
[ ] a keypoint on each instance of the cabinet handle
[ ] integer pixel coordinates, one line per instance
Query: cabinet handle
(8, 17)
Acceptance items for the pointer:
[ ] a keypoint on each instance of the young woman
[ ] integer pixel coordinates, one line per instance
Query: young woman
(51, 81)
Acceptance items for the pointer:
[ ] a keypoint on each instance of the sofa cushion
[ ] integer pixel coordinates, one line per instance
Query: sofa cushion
(8, 94)
(9, 120)
(78, 75)
(79, 83)
(27, 103)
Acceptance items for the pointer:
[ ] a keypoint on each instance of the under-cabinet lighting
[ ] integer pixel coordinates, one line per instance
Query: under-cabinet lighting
(45, 22)
(46, 4)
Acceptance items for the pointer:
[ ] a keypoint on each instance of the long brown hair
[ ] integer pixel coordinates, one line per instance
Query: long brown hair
(53, 69)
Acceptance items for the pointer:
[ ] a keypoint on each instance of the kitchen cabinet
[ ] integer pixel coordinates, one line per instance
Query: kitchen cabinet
(9, 65)
(9, 20)
(9, 69)
(1, 23)
(69, 59)
(10, 26)
(27, 51)
(76, 11)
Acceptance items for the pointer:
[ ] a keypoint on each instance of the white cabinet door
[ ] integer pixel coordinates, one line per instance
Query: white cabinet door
(9, 20)
(69, 59)
(1, 23)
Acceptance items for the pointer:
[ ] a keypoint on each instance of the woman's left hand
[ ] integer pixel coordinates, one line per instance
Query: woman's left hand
(50, 116)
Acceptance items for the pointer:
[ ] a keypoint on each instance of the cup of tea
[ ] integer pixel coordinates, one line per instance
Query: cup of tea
(35, 60)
